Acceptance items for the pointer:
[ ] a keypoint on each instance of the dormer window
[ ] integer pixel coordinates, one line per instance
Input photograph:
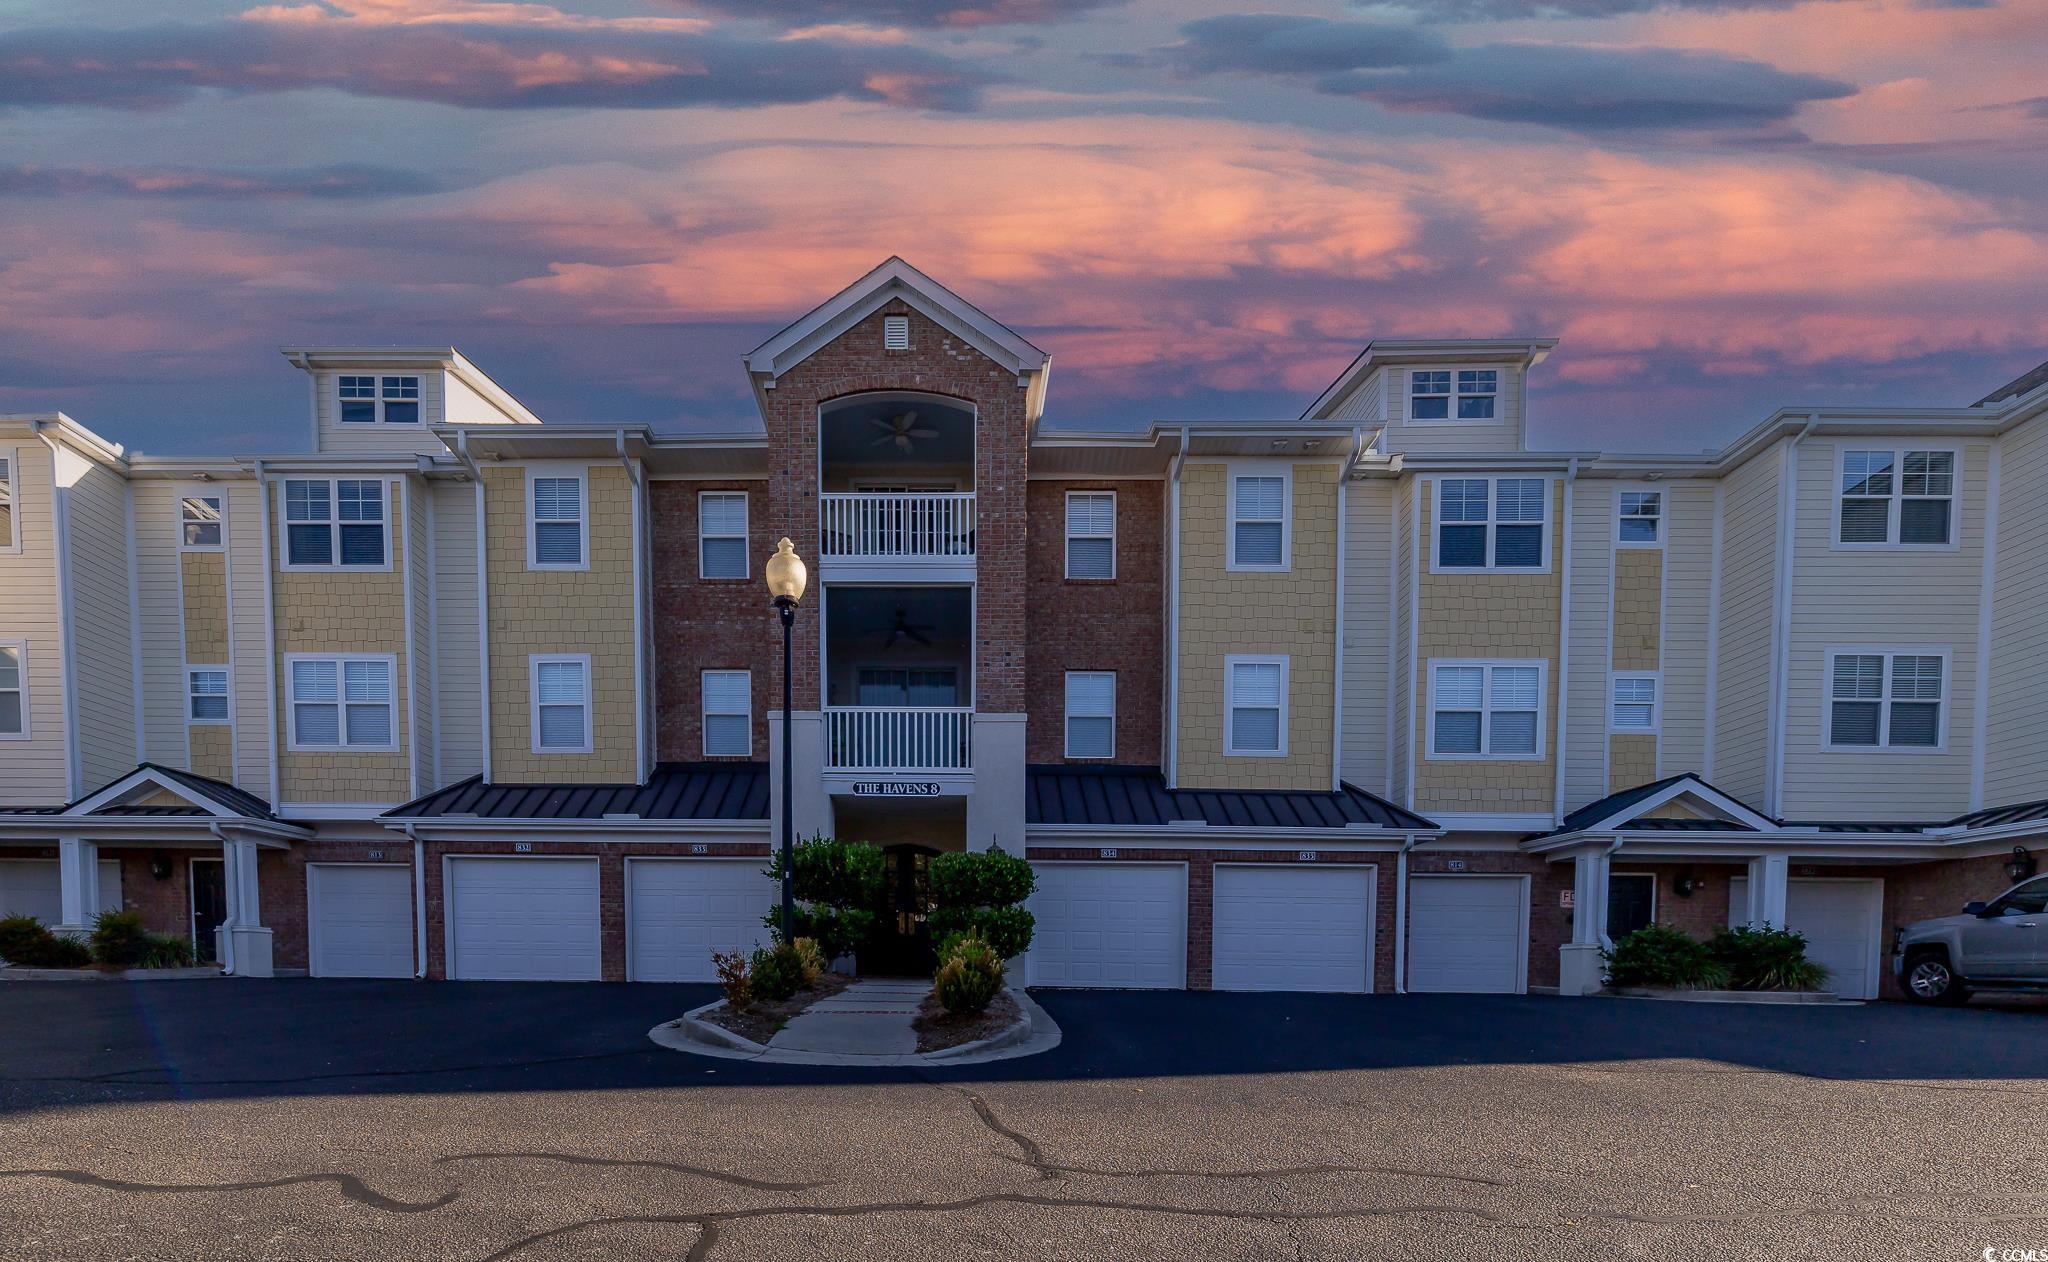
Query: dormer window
(368, 400)
(1443, 394)
(895, 333)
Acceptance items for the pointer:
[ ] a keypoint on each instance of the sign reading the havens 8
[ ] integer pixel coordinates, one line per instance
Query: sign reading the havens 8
(896, 788)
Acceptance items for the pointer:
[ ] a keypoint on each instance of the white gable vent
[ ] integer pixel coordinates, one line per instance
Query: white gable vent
(895, 333)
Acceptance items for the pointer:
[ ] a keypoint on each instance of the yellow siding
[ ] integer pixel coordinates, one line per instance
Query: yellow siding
(1225, 612)
(1631, 760)
(345, 611)
(213, 751)
(205, 585)
(562, 611)
(1487, 614)
(1638, 608)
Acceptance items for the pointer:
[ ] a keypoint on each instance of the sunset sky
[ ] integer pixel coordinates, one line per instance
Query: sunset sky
(1200, 209)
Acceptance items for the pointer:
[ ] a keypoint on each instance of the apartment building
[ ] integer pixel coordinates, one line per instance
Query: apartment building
(1377, 698)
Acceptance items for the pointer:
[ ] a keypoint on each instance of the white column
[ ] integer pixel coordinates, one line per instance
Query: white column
(242, 940)
(807, 760)
(1767, 879)
(78, 886)
(1579, 967)
(995, 812)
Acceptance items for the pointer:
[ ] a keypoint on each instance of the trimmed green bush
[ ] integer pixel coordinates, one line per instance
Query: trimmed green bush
(1658, 955)
(778, 972)
(979, 893)
(969, 975)
(1007, 929)
(120, 939)
(839, 889)
(26, 942)
(1766, 959)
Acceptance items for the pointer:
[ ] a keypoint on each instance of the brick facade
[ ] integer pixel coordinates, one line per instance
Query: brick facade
(705, 624)
(1093, 624)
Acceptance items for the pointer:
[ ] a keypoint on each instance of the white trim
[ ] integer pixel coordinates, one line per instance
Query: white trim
(1684, 786)
(1230, 664)
(340, 703)
(1393, 632)
(433, 550)
(10, 457)
(136, 709)
(534, 661)
(273, 699)
(334, 810)
(704, 712)
(1781, 623)
(1067, 716)
(1173, 538)
(1656, 678)
(67, 664)
(1337, 654)
(483, 620)
(1521, 937)
(1987, 582)
(200, 491)
(1713, 700)
(1412, 722)
(419, 399)
(142, 776)
(333, 523)
(1406, 375)
(1487, 665)
(1069, 536)
(1491, 525)
(227, 675)
(746, 527)
(1564, 635)
(580, 475)
(1282, 470)
(20, 647)
(1662, 518)
(1885, 700)
(413, 544)
(1895, 510)
(1372, 911)
(895, 333)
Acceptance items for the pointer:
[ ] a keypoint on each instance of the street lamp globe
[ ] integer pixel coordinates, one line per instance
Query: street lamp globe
(786, 573)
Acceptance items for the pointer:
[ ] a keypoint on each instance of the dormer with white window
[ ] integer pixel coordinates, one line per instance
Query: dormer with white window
(386, 400)
(1437, 396)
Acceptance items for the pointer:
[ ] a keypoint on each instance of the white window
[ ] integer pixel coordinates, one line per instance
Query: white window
(1486, 709)
(338, 522)
(1091, 714)
(1258, 521)
(1901, 498)
(1091, 534)
(1639, 519)
(560, 687)
(1492, 523)
(206, 694)
(1635, 703)
(895, 333)
(722, 534)
(366, 400)
(199, 523)
(1879, 699)
(728, 713)
(9, 540)
(1255, 723)
(559, 534)
(13, 691)
(341, 702)
(1443, 394)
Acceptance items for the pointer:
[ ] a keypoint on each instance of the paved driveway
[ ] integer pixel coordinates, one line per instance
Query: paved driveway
(355, 1120)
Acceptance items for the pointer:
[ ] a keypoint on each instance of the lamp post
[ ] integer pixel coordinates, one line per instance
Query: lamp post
(786, 578)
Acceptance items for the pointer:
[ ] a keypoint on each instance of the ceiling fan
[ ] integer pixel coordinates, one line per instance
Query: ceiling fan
(900, 429)
(905, 629)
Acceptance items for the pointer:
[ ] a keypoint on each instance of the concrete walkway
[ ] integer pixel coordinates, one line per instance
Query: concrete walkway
(869, 1018)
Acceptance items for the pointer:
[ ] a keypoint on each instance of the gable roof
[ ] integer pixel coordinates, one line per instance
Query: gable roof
(676, 790)
(896, 279)
(206, 795)
(1626, 808)
(1128, 796)
(2026, 383)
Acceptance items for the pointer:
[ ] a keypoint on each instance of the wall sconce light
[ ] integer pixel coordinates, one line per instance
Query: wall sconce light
(1684, 884)
(2021, 865)
(160, 866)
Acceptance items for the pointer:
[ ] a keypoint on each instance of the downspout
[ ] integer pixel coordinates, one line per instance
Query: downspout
(272, 704)
(419, 899)
(1564, 640)
(1401, 914)
(642, 640)
(226, 940)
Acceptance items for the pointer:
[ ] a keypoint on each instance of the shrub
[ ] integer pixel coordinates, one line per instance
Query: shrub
(837, 930)
(778, 972)
(26, 943)
(161, 950)
(1766, 959)
(732, 976)
(1658, 955)
(120, 939)
(970, 973)
(839, 888)
(810, 960)
(978, 892)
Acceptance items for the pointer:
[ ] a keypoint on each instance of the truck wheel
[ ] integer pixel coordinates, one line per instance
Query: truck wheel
(1928, 979)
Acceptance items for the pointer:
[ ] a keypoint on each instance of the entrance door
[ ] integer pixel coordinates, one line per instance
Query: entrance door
(209, 907)
(1631, 903)
(903, 940)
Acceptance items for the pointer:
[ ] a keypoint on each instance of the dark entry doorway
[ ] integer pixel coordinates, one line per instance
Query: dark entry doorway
(902, 945)
(209, 907)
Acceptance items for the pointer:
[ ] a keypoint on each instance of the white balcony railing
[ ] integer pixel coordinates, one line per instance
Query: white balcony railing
(898, 738)
(892, 526)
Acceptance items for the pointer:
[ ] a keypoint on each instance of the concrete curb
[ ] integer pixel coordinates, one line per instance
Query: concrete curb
(1728, 996)
(12, 974)
(1036, 1032)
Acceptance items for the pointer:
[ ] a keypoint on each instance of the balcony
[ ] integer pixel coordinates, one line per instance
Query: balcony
(893, 527)
(896, 740)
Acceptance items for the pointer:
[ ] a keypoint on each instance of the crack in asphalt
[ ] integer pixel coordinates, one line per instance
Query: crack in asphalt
(1034, 1156)
(349, 1186)
(578, 1159)
(1275, 1172)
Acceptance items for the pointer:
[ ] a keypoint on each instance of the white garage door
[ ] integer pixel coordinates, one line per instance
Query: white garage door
(359, 920)
(1842, 921)
(1292, 928)
(1121, 925)
(1468, 934)
(29, 887)
(681, 910)
(525, 919)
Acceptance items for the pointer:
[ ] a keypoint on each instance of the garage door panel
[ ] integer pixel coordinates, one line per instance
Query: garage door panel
(31, 887)
(1840, 919)
(1467, 934)
(682, 910)
(524, 919)
(359, 920)
(1118, 925)
(1292, 928)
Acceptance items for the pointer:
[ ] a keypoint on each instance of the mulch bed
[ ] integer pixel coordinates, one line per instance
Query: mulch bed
(938, 1029)
(760, 1022)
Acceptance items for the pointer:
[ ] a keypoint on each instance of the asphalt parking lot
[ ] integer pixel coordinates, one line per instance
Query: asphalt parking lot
(353, 1120)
